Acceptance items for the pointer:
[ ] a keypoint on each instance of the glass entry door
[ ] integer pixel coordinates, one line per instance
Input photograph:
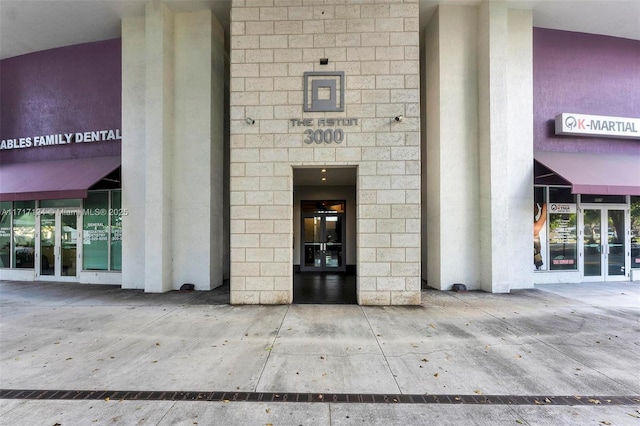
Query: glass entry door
(323, 242)
(57, 254)
(604, 244)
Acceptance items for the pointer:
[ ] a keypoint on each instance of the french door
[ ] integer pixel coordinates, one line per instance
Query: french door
(57, 249)
(605, 246)
(323, 248)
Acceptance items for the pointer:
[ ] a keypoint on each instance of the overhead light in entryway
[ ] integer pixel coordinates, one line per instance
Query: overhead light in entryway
(324, 178)
(324, 170)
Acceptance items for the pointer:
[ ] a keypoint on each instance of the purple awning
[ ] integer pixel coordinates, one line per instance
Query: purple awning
(48, 180)
(593, 173)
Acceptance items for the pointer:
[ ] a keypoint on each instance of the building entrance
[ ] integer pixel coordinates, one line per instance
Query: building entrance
(604, 243)
(323, 236)
(57, 248)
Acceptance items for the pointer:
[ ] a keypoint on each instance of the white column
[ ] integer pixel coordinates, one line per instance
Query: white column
(451, 199)
(158, 147)
(197, 164)
(133, 152)
(506, 146)
(520, 92)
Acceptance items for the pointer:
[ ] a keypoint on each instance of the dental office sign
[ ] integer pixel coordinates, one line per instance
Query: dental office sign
(61, 139)
(597, 125)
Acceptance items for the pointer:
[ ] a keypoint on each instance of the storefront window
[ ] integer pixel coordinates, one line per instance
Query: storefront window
(116, 231)
(5, 234)
(540, 260)
(563, 238)
(609, 199)
(64, 202)
(95, 234)
(559, 194)
(24, 232)
(635, 232)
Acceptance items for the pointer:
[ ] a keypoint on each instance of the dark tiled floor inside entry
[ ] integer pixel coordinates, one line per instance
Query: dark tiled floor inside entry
(324, 288)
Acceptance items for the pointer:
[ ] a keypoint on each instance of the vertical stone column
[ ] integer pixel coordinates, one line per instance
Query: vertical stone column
(452, 202)
(493, 142)
(520, 129)
(478, 63)
(133, 152)
(197, 156)
(506, 150)
(158, 146)
(173, 112)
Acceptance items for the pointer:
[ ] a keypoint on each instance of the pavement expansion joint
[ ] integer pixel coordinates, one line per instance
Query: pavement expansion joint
(221, 396)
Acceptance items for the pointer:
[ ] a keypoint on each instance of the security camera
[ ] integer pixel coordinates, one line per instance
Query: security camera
(250, 120)
(399, 118)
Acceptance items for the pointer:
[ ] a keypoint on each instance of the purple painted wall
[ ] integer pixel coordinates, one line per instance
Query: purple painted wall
(69, 89)
(583, 74)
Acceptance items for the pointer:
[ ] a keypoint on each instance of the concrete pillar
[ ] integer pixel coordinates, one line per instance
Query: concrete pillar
(158, 146)
(479, 156)
(451, 199)
(133, 152)
(520, 160)
(506, 150)
(197, 164)
(173, 113)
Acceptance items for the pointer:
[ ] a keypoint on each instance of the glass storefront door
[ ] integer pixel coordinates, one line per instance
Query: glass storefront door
(323, 242)
(57, 254)
(604, 244)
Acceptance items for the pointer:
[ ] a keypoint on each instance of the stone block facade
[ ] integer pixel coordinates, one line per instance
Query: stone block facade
(376, 45)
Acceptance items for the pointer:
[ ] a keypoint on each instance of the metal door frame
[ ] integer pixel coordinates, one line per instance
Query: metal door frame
(57, 276)
(323, 227)
(604, 242)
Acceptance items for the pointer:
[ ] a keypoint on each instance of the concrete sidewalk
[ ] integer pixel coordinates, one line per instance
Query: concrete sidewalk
(570, 339)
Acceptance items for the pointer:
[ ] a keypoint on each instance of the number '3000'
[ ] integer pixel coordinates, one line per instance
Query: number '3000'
(323, 136)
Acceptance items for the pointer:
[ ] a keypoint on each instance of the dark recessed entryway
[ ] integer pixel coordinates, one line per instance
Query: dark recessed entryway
(324, 288)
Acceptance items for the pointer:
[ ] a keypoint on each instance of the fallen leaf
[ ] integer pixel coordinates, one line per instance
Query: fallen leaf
(538, 402)
(268, 410)
(107, 399)
(321, 356)
(518, 356)
(435, 375)
(424, 360)
(432, 325)
(634, 415)
(520, 422)
(594, 401)
(478, 392)
(157, 344)
(68, 359)
(226, 401)
(604, 422)
(153, 362)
